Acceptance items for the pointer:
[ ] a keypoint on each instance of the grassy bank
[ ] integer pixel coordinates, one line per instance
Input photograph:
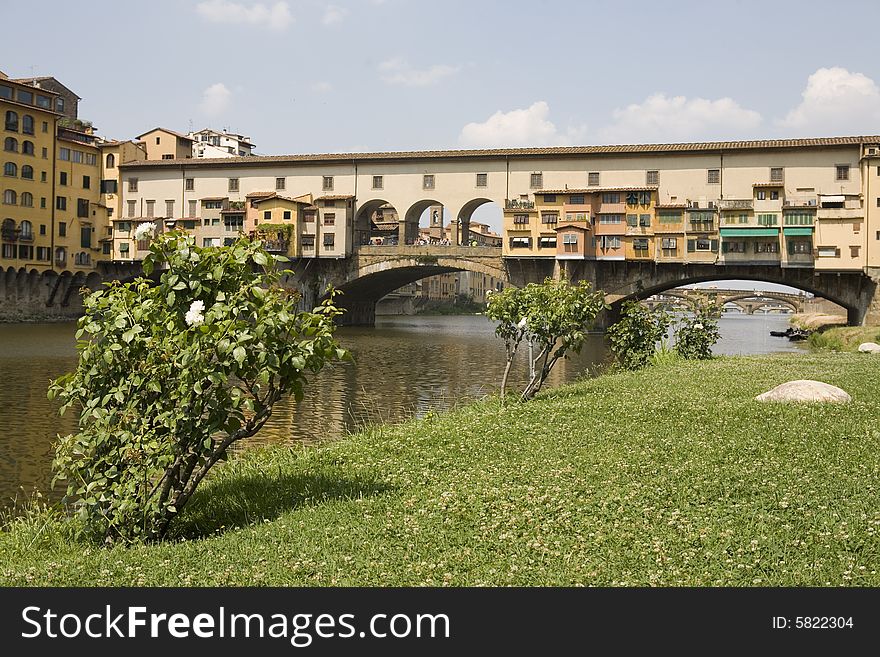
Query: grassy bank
(673, 476)
(843, 338)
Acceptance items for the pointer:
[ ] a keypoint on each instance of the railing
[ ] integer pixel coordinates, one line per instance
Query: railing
(736, 204)
(275, 245)
(800, 202)
(26, 237)
(518, 204)
(9, 234)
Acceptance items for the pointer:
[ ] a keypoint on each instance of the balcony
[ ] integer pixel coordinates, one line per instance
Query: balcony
(806, 201)
(518, 204)
(9, 234)
(25, 237)
(736, 204)
(840, 213)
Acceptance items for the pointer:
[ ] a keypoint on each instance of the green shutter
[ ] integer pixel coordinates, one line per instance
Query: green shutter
(790, 247)
(714, 246)
(725, 247)
(632, 220)
(692, 246)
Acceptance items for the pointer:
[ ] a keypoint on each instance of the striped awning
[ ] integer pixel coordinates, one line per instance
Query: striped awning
(749, 232)
(800, 231)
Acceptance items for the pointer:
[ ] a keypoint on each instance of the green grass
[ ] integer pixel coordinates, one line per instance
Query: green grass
(669, 476)
(843, 338)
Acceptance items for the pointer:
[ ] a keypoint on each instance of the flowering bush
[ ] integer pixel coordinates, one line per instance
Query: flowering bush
(634, 338)
(554, 314)
(172, 374)
(695, 336)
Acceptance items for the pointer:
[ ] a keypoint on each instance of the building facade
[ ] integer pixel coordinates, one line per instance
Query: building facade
(209, 143)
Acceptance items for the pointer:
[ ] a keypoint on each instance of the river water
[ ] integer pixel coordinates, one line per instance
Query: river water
(403, 366)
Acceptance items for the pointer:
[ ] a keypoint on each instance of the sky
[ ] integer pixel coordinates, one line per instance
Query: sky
(305, 76)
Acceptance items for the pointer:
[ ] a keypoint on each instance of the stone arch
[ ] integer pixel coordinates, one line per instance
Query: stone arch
(363, 224)
(413, 216)
(769, 296)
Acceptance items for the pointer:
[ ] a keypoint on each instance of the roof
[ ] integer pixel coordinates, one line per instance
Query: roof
(556, 151)
(170, 132)
(258, 194)
(334, 197)
(34, 80)
(769, 184)
(670, 206)
(259, 200)
(214, 198)
(563, 224)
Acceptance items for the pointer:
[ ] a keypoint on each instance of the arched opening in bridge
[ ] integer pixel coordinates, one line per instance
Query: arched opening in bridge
(435, 226)
(481, 223)
(377, 222)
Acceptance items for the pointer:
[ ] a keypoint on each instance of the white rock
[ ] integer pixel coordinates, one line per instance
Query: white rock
(805, 390)
(870, 347)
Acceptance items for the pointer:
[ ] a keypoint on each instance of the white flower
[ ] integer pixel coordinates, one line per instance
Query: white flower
(698, 326)
(194, 315)
(522, 323)
(143, 230)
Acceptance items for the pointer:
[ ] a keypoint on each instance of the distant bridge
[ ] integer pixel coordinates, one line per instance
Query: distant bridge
(748, 301)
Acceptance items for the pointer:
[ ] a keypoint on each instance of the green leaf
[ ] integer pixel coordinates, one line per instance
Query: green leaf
(239, 354)
(260, 258)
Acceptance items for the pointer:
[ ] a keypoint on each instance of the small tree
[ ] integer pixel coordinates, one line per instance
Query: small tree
(634, 338)
(555, 314)
(170, 376)
(695, 336)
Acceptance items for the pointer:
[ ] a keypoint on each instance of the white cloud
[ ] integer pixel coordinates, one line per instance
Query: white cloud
(334, 15)
(276, 16)
(836, 102)
(215, 99)
(398, 71)
(519, 127)
(322, 87)
(662, 118)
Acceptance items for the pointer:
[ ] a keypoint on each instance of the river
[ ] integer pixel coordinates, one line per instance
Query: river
(403, 366)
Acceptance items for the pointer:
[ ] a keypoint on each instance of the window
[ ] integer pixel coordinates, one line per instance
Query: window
(45, 126)
(267, 215)
(774, 195)
(377, 182)
(10, 197)
(309, 215)
(827, 252)
(26, 252)
(520, 219)
(27, 124)
(640, 244)
(669, 243)
(9, 250)
(610, 197)
(761, 195)
(652, 178)
(189, 184)
(308, 241)
(85, 237)
(644, 220)
(233, 222)
(43, 202)
(42, 176)
(233, 184)
(520, 242)
(87, 182)
(62, 229)
(853, 252)
(132, 184)
(776, 174)
(45, 153)
(151, 208)
(733, 247)
(106, 248)
(286, 215)
(61, 203)
(123, 226)
(536, 180)
(593, 179)
(329, 204)
(327, 184)
(168, 156)
(27, 200)
(798, 219)
(610, 218)
(767, 219)
(329, 218)
(800, 247)
(132, 208)
(169, 208)
(191, 208)
(158, 140)
(280, 183)
(667, 217)
(44, 253)
(27, 230)
(576, 199)
(91, 159)
(546, 242)
(549, 217)
(767, 247)
(109, 186)
(329, 240)
(482, 179)
(62, 178)
(10, 144)
(77, 157)
(428, 181)
(6, 92)
(713, 176)
(110, 161)
(842, 172)
(609, 242)
(82, 207)
(569, 242)
(632, 220)
(10, 169)
(42, 229)
(11, 120)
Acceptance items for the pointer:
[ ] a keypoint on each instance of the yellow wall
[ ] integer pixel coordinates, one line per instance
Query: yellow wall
(83, 183)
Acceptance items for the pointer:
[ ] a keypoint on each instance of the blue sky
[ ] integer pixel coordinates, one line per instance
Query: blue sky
(315, 76)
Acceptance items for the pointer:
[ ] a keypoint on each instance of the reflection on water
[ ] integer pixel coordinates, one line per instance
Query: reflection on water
(403, 366)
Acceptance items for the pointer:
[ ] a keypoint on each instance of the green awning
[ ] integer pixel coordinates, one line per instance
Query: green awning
(801, 231)
(749, 232)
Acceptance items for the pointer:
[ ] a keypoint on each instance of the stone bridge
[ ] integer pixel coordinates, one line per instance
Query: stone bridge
(748, 301)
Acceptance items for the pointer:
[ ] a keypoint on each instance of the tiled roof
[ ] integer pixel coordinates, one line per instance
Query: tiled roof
(259, 194)
(171, 132)
(670, 206)
(557, 151)
(214, 198)
(260, 199)
(769, 184)
(334, 197)
(595, 190)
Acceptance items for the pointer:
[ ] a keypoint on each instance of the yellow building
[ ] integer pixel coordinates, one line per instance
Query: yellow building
(277, 221)
(29, 125)
(638, 243)
(164, 144)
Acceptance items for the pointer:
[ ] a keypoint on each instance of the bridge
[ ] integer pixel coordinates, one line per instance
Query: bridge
(748, 301)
